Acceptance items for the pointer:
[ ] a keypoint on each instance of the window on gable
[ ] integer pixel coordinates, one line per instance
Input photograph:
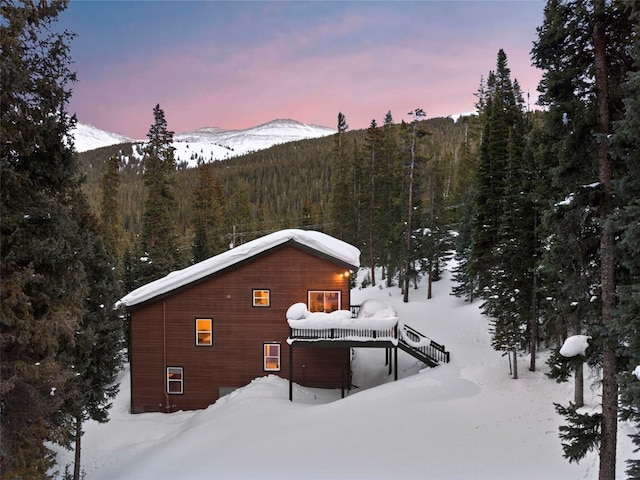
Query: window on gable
(261, 298)
(204, 331)
(323, 301)
(272, 357)
(175, 380)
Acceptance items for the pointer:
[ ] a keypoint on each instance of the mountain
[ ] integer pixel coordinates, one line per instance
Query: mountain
(87, 137)
(211, 143)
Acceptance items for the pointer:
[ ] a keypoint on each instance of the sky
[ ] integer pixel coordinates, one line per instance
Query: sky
(467, 419)
(238, 64)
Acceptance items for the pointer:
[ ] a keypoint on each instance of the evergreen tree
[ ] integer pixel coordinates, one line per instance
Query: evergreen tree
(44, 278)
(111, 218)
(434, 242)
(626, 149)
(239, 215)
(411, 252)
(158, 250)
(209, 205)
(96, 352)
(390, 214)
(465, 279)
(503, 249)
(372, 172)
(343, 215)
(584, 48)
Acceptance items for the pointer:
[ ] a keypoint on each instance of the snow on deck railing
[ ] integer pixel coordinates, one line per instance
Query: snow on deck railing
(378, 323)
(422, 343)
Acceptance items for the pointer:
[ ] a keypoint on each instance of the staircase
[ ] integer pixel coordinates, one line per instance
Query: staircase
(416, 344)
(421, 347)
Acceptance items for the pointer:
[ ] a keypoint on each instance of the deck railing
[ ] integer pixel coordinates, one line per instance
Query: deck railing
(433, 350)
(368, 334)
(410, 340)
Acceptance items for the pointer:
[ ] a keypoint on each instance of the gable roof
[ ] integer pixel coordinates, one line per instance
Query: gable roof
(320, 242)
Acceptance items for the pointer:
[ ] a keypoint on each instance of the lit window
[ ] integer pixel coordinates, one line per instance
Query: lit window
(320, 301)
(175, 380)
(272, 357)
(261, 298)
(204, 333)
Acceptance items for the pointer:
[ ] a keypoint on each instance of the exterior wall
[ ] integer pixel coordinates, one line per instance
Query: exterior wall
(163, 332)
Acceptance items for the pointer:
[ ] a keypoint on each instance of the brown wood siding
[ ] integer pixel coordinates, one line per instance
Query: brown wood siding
(239, 331)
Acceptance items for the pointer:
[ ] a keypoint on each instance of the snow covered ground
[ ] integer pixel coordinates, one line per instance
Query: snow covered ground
(464, 420)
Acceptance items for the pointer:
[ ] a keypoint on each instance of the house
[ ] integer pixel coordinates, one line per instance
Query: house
(204, 331)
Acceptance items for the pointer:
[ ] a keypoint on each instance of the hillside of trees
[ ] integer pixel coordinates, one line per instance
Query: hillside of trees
(287, 186)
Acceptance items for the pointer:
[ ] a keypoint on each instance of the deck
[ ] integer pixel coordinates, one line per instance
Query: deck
(400, 336)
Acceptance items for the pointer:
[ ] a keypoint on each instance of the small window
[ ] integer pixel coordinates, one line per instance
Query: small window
(272, 357)
(204, 331)
(321, 301)
(261, 298)
(175, 380)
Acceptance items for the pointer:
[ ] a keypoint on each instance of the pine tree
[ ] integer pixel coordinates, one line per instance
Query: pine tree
(43, 282)
(503, 249)
(466, 281)
(239, 217)
(390, 212)
(110, 216)
(158, 250)
(343, 215)
(584, 48)
(434, 243)
(370, 189)
(209, 205)
(411, 255)
(96, 353)
(626, 149)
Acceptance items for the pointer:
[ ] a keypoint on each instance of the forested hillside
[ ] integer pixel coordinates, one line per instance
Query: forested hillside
(286, 186)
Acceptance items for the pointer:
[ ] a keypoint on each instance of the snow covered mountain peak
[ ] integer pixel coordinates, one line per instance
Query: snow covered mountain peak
(87, 137)
(211, 143)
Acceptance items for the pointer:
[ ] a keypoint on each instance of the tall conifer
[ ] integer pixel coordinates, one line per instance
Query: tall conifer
(342, 201)
(158, 249)
(626, 148)
(44, 274)
(390, 201)
(584, 48)
(209, 205)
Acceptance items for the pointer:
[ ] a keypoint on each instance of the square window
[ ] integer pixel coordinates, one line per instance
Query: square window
(204, 331)
(324, 301)
(175, 379)
(272, 357)
(261, 298)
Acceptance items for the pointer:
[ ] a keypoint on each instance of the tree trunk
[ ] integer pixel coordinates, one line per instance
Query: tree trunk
(515, 363)
(609, 429)
(533, 323)
(578, 393)
(372, 219)
(76, 465)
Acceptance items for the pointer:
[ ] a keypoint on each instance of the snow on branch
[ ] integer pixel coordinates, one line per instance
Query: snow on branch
(575, 345)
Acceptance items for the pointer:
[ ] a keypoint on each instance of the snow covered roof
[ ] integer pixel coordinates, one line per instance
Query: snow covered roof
(318, 241)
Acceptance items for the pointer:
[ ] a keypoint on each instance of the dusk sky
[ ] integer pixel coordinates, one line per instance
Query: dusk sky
(238, 64)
